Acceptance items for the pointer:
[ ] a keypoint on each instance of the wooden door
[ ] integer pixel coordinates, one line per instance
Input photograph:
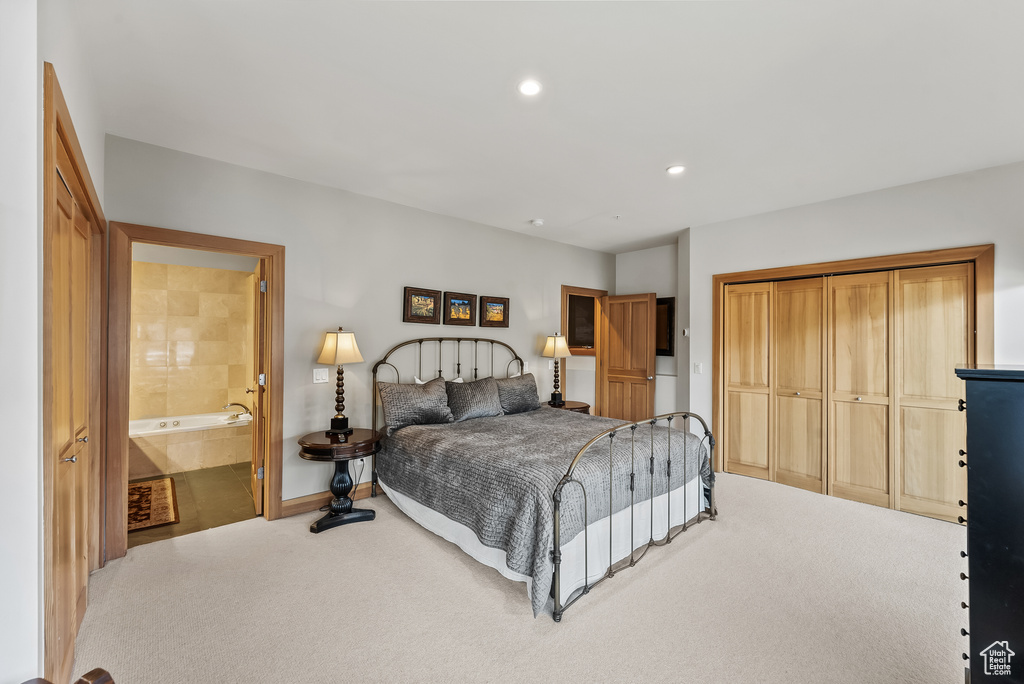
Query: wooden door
(860, 450)
(798, 388)
(747, 446)
(71, 321)
(73, 396)
(934, 324)
(259, 415)
(626, 357)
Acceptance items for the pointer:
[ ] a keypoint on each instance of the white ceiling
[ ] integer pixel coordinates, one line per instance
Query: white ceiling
(768, 104)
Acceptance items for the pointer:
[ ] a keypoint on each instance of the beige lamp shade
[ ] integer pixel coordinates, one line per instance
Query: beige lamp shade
(340, 348)
(556, 348)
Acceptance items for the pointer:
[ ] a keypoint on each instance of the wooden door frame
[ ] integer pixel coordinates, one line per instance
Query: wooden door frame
(983, 257)
(122, 237)
(59, 131)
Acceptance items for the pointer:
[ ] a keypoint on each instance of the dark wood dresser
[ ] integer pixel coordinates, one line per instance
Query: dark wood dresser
(994, 566)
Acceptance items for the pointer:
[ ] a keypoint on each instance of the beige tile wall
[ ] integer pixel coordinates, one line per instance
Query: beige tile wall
(191, 350)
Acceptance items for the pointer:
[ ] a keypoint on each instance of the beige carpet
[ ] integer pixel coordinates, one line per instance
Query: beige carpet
(786, 586)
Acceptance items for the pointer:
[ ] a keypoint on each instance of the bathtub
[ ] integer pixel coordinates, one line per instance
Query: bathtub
(147, 427)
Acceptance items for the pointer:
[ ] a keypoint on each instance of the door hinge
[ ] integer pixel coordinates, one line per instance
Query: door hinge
(259, 473)
(263, 286)
(262, 381)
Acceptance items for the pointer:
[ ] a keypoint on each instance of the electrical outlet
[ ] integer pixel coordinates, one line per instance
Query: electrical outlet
(698, 368)
(320, 375)
(526, 366)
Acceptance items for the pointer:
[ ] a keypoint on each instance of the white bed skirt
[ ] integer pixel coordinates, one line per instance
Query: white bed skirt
(573, 567)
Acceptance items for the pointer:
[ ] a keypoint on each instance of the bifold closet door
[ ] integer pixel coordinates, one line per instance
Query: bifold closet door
(747, 391)
(798, 372)
(934, 320)
(860, 448)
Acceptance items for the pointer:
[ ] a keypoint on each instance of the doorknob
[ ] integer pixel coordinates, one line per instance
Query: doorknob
(73, 459)
(650, 377)
(249, 390)
(83, 439)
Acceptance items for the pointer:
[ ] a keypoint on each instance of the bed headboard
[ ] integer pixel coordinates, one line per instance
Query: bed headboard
(470, 358)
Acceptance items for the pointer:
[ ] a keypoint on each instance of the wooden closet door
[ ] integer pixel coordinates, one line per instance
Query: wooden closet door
(747, 407)
(798, 370)
(934, 322)
(860, 452)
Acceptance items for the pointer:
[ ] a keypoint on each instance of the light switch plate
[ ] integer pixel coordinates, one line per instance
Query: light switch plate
(551, 365)
(320, 375)
(698, 368)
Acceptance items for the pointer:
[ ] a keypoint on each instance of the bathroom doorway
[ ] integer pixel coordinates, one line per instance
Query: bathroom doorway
(195, 395)
(191, 394)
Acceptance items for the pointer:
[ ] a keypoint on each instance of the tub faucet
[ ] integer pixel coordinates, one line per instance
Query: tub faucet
(244, 408)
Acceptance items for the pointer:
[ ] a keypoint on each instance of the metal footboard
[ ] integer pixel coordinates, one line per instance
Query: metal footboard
(710, 511)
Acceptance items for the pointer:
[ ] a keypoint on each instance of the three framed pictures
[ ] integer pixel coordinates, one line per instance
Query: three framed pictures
(421, 305)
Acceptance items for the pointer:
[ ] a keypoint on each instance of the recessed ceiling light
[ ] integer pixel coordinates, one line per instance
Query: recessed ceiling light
(529, 87)
(675, 170)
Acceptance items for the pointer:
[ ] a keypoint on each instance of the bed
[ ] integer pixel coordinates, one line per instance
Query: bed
(558, 500)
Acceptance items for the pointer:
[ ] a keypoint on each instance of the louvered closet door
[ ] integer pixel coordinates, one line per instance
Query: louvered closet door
(747, 405)
(934, 319)
(799, 352)
(860, 452)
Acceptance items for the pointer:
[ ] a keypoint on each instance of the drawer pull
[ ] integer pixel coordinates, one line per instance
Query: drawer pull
(962, 503)
(963, 576)
(962, 452)
(963, 632)
(798, 394)
(962, 463)
(963, 554)
(961, 405)
(966, 657)
(964, 605)
(859, 398)
(961, 519)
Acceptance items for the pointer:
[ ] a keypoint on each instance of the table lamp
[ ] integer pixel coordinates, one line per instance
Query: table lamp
(556, 348)
(340, 348)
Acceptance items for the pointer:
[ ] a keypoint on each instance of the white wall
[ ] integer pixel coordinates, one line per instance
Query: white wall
(653, 270)
(348, 259)
(59, 45)
(20, 336)
(967, 209)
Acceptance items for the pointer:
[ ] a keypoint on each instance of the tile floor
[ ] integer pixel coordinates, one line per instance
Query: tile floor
(207, 498)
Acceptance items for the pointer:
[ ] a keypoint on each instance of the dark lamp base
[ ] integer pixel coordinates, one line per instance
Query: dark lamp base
(556, 399)
(339, 426)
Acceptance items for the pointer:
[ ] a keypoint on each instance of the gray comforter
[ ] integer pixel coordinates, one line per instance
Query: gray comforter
(496, 476)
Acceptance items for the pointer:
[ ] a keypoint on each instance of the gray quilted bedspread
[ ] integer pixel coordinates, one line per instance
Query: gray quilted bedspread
(496, 476)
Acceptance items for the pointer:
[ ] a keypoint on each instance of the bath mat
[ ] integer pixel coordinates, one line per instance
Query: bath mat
(151, 504)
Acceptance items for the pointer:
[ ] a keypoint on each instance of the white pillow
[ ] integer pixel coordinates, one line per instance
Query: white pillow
(424, 382)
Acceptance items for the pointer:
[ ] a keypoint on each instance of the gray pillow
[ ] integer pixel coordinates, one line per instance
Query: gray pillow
(473, 399)
(518, 395)
(414, 404)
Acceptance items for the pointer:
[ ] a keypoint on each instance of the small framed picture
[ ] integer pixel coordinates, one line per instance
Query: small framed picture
(421, 306)
(459, 308)
(493, 312)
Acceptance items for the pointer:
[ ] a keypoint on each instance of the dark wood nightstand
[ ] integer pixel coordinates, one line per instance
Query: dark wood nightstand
(322, 446)
(574, 406)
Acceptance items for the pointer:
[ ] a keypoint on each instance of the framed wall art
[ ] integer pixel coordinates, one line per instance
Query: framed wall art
(493, 312)
(459, 308)
(421, 306)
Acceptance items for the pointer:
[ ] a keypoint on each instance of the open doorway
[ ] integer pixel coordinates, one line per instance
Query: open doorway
(193, 342)
(195, 410)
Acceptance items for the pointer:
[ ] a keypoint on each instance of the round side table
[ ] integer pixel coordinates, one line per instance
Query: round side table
(322, 446)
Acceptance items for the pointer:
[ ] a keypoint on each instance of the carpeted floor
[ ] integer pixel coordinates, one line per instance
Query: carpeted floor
(786, 586)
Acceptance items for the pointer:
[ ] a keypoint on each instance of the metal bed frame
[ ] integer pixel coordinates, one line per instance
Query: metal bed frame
(709, 512)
